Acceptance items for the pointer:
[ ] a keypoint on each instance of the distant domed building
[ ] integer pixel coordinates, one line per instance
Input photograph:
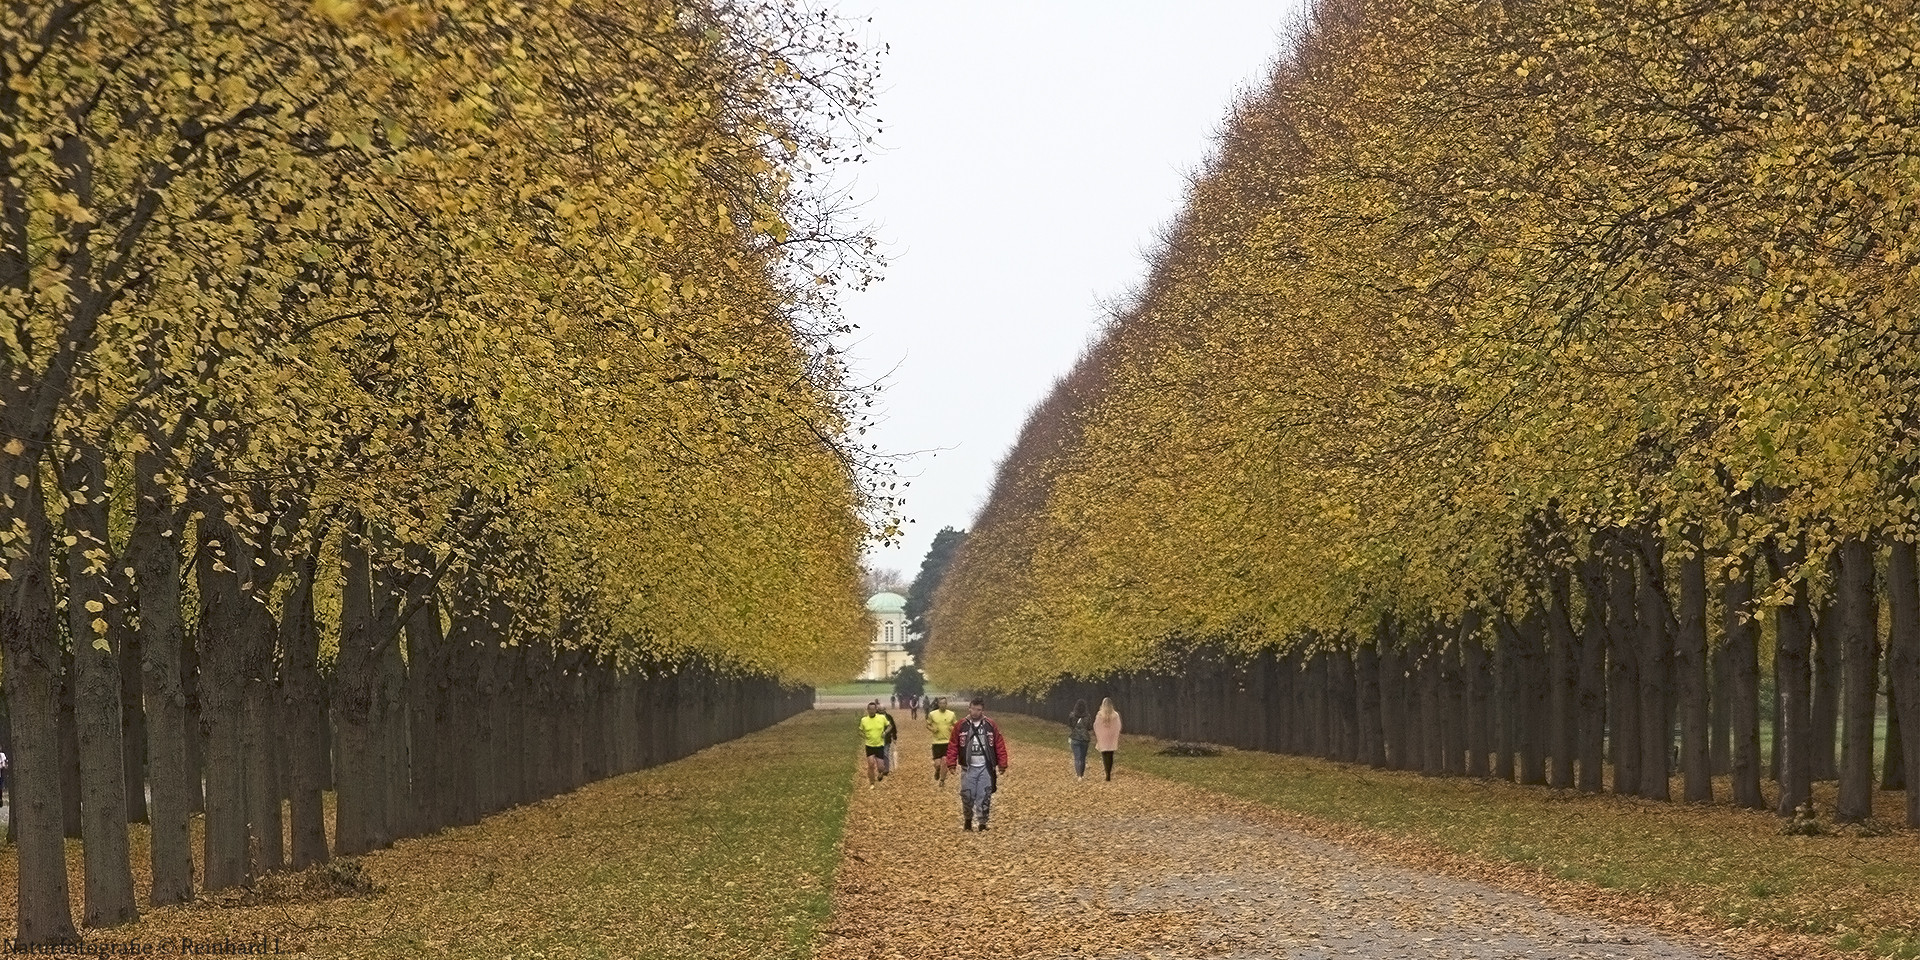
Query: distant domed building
(888, 651)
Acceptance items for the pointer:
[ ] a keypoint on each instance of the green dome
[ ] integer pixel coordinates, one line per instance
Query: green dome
(887, 603)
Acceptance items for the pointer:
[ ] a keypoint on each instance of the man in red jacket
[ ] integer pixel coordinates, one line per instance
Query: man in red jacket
(978, 749)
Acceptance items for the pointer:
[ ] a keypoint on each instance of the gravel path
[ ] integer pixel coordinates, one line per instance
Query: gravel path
(1143, 867)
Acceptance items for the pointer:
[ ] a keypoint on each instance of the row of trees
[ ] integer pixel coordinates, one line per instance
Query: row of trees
(433, 400)
(1520, 381)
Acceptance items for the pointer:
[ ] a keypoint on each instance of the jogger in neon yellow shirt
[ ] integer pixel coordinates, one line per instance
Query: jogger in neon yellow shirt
(940, 723)
(873, 735)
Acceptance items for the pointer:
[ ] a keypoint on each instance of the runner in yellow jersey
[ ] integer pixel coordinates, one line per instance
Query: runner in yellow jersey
(940, 723)
(873, 734)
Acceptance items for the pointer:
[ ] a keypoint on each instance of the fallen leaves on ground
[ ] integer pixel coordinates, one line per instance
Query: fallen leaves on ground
(728, 853)
(1145, 866)
(1693, 871)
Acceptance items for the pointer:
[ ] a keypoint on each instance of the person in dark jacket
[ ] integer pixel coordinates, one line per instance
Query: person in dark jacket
(1079, 737)
(980, 751)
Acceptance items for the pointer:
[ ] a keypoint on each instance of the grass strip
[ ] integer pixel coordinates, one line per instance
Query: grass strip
(729, 853)
(1852, 888)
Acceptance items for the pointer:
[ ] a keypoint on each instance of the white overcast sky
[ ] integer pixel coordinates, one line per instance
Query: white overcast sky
(1030, 151)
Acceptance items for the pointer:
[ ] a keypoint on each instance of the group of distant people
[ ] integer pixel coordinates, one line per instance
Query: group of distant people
(975, 747)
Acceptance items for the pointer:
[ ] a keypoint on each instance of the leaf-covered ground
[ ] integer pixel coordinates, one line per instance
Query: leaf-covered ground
(1701, 871)
(729, 853)
(1146, 866)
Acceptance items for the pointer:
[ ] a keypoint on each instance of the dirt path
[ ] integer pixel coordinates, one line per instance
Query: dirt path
(1144, 867)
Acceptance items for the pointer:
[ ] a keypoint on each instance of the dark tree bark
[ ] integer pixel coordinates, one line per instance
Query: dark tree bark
(1593, 675)
(1506, 699)
(355, 774)
(1828, 629)
(1346, 702)
(1656, 670)
(29, 639)
(1432, 745)
(224, 622)
(1393, 700)
(1742, 653)
(153, 550)
(1535, 675)
(433, 766)
(92, 609)
(69, 749)
(1893, 771)
(1623, 675)
(1453, 707)
(1563, 677)
(1858, 628)
(261, 721)
(1690, 663)
(1903, 656)
(196, 770)
(303, 707)
(1792, 660)
(1479, 726)
(133, 713)
(1719, 721)
(396, 747)
(1373, 742)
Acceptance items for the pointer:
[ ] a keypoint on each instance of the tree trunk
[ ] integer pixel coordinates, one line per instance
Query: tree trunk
(1719, 721)
(1453, 708)
(1564, 679)
(1656, 671)
(396, 751)
(1893, 772)
(432, 768)
(1474, 660)
(1593, 674)
(1690, 662)
(1828, 640)
(196, 727)
(1432, 743)
(1373, 744)
(92, 612)
(28, 637)
(1623, 676)
(1859, 629)
(1903, 657)
(153, 550)
(1792, 658)
(356, 777)
(69, 748)
(133, 713)
(1537, 695)
(1393, 700)
(1506, 699)
(260, 717)
(304, 712)
(223, 628)
(1742, 653)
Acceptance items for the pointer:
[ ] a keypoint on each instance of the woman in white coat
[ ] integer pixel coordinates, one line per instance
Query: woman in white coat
(1106, 733)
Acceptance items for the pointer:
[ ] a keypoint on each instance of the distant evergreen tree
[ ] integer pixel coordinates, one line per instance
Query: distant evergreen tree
(946, 543)
(908, 681)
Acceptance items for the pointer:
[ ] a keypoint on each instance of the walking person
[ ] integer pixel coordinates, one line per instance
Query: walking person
(1106, 733)
(1079, 736)
(873, 736)
(940, 722)
(978, 748)
(893, 734)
